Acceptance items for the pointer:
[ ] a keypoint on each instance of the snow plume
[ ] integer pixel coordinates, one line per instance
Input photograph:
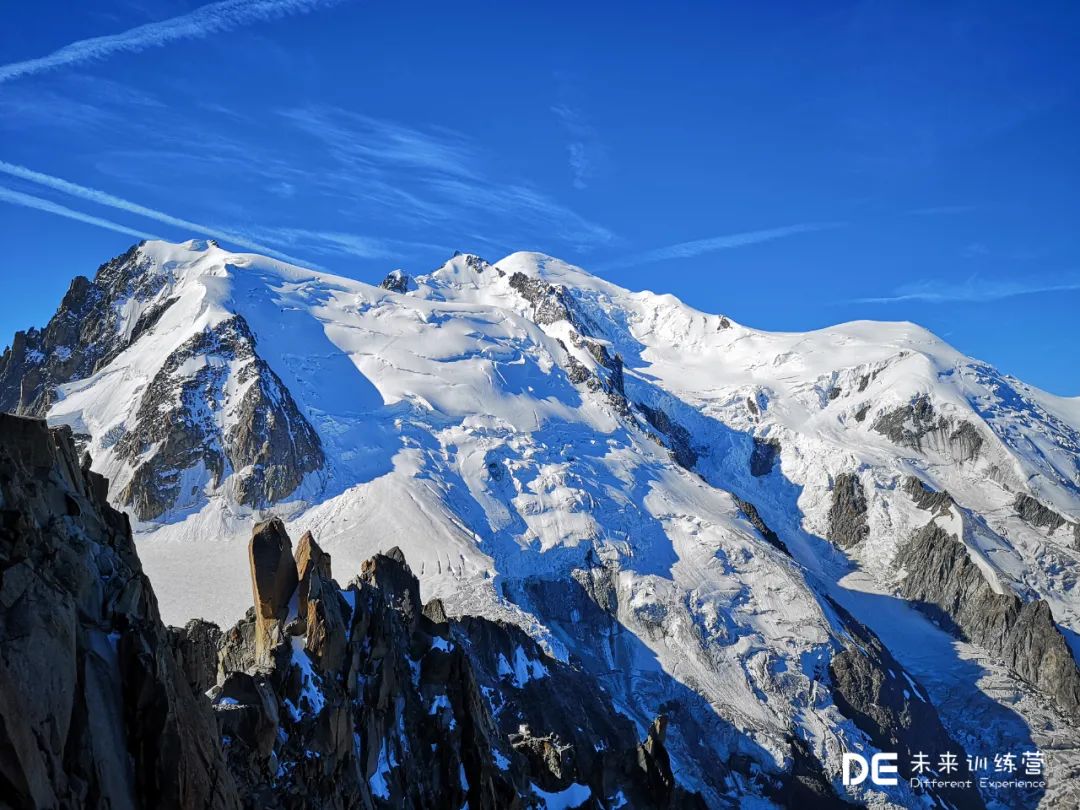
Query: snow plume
(213, 18)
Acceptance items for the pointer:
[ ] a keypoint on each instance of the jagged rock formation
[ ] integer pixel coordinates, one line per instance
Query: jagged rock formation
(926, 498)
(366, 698)
(95, 711)
(372, 698)
(919, 427)
(552, 303)
(940, 577)
(847, 515)
(677, 437)
(487, 421)
(396, 281)
(185, 420)
(752, 515)
(1036, 514)
(83, 335)
(871, 688)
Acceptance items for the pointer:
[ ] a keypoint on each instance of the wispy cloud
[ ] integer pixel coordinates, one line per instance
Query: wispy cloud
(341, 243)
(204, 21)
(686, 250)
(111, 201)
(433, 175)
(942, 210)
(30, 201)
(529, 207)
(378, 142)
(583, 147)
(974, 290)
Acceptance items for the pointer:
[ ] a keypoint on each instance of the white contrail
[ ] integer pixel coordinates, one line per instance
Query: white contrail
(685, 250)
(202, 22)
(30, 201)
(104, 198)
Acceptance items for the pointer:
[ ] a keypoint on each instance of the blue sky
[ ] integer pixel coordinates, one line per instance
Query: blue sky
(792, 165)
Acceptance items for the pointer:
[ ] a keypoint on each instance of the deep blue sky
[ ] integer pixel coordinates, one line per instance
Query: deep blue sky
(825, 161)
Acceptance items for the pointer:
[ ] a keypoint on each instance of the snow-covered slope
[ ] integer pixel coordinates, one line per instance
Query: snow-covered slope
(701, 515)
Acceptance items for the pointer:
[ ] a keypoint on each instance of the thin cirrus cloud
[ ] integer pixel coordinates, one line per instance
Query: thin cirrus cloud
(974, 290)
(373, 142)
(686, 250)
(204, 21)
(341, 243)
(432, 174)
(30, 201)
(582, 145)
(110, 201)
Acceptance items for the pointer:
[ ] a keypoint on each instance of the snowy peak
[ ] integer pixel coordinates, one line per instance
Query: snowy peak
(695, 512)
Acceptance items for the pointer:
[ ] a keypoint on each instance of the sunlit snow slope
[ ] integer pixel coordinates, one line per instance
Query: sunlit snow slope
(674, 501)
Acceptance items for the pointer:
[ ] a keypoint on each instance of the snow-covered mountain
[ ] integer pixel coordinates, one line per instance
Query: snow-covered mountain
(793, 545)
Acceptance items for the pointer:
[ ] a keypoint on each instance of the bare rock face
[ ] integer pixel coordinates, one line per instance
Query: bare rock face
(1036, 514)
(677, 437)
(397, 281)
(926, 498)
(184, 419)
(81, 337)
(847, 515)
(871, 688)
(273, 583)
(195, 646)
(752, 515)
(552, 303)
(941, 579)
(387, 702)
(919, 427)
(95, 710)
(311, 561)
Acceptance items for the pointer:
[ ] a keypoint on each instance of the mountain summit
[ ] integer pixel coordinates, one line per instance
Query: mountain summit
(790, 545)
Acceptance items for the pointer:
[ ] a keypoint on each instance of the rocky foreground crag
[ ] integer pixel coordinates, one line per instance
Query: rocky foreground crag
(319, 697)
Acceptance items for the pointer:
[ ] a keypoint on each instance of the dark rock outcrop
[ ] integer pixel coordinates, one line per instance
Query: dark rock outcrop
(1036, 514)
(195, 646)
(83, 335)
(268, 447)
(676, 436)
(764, 455)
(926, 498)
(871, 687)
(396, 281)
(372, 699)
(919, 427)
(385, 701)
(940, 578)
(752, 515)
(847, 515)
(550, 303)
(95, 710)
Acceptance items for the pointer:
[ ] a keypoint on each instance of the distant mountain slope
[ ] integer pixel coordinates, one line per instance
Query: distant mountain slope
(705, 517)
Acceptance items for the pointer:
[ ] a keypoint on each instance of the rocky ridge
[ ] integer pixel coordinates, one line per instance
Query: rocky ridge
(95, 711)
(319, 697)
